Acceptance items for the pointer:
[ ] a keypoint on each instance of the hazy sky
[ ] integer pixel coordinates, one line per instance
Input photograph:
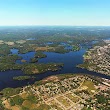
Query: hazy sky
(55, 12)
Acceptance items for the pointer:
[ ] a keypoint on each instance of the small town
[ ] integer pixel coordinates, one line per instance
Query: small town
(65, 92)
(98, 59)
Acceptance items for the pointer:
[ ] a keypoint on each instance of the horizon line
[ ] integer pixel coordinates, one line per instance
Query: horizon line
(59, 25)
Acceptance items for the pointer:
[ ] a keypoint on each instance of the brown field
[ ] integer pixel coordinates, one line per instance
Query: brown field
(54, 104)
(43, 48)
(9, 43)
(51, 78)
(15, 107)
(24, 95)
(23, 61)
(21, 41)
(27, 104)
(35, 71)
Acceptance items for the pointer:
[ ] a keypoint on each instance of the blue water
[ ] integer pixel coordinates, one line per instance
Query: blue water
(27, 56)
(49, 43)
(69, 47)
(6, 79)
(94, 42)
(108, 39)
(70, 61)
(31, 39)
(63, 43)
(14, 51)
(66, 45)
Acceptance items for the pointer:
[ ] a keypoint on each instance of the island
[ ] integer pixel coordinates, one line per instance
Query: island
(20, 78)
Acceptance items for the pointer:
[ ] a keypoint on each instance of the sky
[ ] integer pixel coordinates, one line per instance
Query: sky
(55, 12)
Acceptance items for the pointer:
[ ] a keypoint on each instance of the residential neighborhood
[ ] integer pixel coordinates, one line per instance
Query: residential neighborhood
(98, 59)
(65, 92)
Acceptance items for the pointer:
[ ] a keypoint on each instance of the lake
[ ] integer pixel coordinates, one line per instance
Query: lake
(70, 61)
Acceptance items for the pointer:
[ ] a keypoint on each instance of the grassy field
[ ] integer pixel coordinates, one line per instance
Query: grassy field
(64, 101)
(72, 97)
(55, 105)
(89, 86)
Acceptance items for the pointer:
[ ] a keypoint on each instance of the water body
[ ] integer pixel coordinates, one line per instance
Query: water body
(108, 39)
(70, 61)
(31, 39)
(25, 56)
(6, 79)
(49, 43)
